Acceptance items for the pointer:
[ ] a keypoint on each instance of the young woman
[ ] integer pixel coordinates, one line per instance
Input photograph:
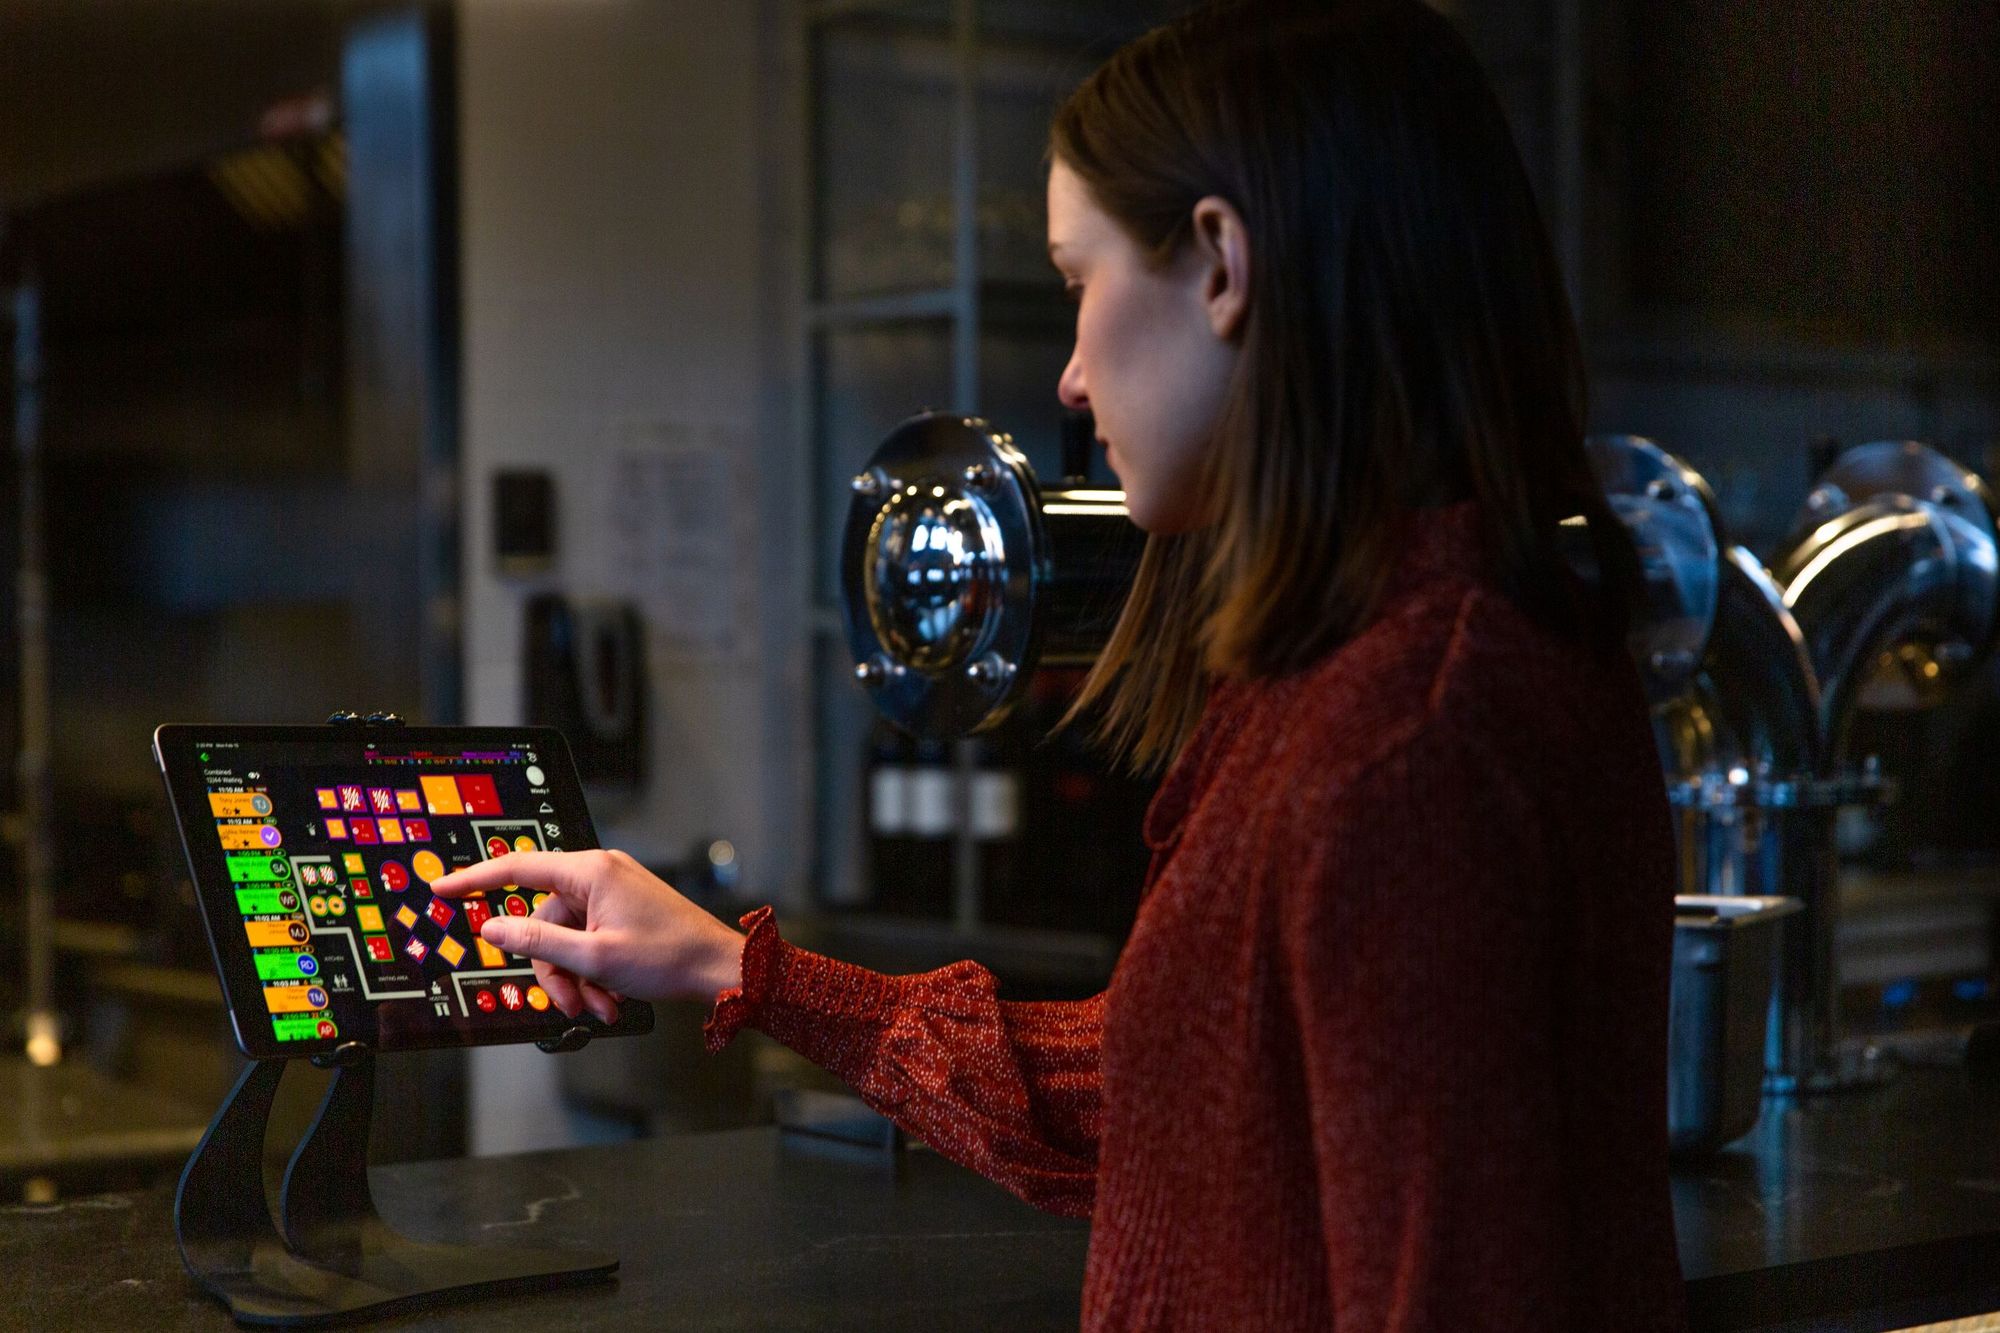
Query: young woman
(1386, 1048)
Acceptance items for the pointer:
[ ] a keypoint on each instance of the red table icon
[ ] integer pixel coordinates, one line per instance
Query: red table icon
(511, 996)
(394, 877)
(477, 913)
(516, 905)
(479, 794)
(496, 847)
(484, 999)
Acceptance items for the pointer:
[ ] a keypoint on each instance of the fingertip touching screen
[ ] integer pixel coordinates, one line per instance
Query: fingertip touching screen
(313, 850)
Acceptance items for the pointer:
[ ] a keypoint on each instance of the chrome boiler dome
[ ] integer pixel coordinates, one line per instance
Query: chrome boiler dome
(960, 574)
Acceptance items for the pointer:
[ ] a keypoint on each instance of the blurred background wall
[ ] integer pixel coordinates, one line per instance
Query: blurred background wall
(377, 343)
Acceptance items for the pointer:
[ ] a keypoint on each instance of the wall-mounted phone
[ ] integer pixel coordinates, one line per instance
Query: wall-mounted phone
(586, 676)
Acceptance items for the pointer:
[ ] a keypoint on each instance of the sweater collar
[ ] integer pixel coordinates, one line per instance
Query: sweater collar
(1446, 544)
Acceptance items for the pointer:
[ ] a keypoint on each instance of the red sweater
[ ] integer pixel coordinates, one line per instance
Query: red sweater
(1387, 1047)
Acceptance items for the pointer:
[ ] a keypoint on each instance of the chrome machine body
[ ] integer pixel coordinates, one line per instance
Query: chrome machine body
(960, 574)
(1884, 595)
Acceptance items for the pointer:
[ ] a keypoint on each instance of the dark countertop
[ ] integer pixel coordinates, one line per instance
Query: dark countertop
(1867, 1210)
(1875, 1208)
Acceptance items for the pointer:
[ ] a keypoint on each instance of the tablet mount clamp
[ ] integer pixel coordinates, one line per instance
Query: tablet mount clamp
(329, 1257)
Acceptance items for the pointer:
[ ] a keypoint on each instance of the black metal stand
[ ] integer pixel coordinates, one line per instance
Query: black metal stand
(337, 1260)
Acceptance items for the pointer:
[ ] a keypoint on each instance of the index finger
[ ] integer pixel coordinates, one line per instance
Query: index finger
(561, 873)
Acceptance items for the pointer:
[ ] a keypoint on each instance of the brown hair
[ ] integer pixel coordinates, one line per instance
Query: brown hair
(1408, 340)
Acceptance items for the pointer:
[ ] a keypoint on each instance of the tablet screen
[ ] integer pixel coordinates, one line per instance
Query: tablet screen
(313, 850)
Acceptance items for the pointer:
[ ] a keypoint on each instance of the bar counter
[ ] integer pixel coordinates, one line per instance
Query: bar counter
(1875, 1209)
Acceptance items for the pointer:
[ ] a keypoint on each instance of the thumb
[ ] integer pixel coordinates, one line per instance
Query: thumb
(533, 937)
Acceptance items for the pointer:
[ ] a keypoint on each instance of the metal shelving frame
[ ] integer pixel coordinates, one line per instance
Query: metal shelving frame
(969, 304)
(958, 303)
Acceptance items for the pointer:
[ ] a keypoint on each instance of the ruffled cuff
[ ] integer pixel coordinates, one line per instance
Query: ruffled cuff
(741, 1004)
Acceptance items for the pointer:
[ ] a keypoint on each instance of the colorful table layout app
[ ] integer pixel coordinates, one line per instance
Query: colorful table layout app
(481, 797)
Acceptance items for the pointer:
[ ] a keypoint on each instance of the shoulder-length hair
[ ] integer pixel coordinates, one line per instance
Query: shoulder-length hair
(1408, 341)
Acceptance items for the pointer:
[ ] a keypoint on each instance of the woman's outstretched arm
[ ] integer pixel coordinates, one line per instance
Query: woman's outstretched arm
(1010, 1090)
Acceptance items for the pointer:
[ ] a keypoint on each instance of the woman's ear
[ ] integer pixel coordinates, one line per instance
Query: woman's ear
(1222, 246)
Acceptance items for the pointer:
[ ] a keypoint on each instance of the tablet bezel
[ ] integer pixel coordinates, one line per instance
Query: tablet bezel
(175, 753)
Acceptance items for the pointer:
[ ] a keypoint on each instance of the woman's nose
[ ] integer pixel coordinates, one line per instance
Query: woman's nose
(1070, 387)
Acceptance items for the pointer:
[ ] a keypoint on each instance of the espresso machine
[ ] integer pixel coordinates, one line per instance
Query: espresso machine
(962, 574)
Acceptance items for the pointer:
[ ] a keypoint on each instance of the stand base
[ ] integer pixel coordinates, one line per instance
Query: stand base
(394, 1274)
(336, 1260)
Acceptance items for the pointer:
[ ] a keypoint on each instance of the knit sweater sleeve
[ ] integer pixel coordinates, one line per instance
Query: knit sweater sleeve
(1009, 1089)
(1416, 952)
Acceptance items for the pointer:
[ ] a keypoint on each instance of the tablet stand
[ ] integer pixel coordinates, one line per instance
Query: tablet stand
(336, 1258)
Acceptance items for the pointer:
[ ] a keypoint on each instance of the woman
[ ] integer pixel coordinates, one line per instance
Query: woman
(1386, 1048)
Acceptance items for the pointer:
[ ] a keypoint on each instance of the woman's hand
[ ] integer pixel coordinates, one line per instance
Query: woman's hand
(609, 928)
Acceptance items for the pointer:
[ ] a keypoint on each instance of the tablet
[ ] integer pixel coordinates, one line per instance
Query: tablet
(313, 850)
